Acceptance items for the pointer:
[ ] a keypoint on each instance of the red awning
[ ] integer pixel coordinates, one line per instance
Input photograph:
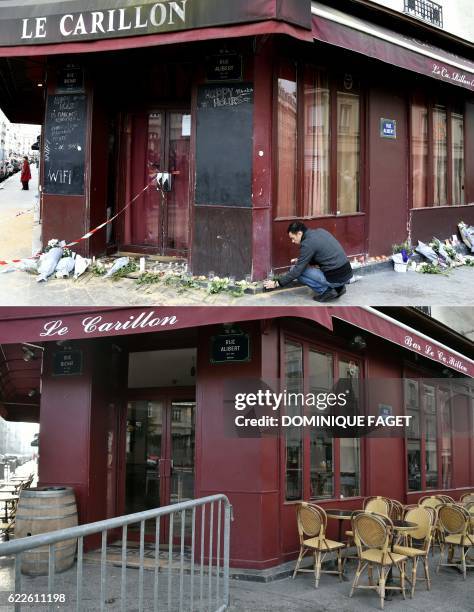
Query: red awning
(51, 324)
(343, 30)
(154, 40)
(392, 330)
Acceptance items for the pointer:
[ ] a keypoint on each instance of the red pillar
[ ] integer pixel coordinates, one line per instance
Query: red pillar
(262, 156)
(79, 429)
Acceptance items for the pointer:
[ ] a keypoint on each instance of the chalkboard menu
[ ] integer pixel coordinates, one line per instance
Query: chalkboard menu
(64, 147)
(224, 145)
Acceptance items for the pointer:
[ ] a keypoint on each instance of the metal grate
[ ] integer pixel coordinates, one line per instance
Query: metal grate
(426, 10)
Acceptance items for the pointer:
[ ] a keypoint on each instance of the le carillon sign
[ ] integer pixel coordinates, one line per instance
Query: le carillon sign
(54, 21)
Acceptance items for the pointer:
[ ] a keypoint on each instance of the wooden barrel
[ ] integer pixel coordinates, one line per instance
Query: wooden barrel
(42, 510)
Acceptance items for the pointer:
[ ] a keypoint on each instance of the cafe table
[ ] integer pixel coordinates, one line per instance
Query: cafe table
(340, 515)
(5, 498)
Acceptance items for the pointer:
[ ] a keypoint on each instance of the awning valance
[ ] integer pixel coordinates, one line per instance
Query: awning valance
(390, 329)
(43, 27)
(50, 324)
(53, 324)
(343, 30)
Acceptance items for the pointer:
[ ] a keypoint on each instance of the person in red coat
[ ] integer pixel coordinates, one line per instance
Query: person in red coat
(25, 173)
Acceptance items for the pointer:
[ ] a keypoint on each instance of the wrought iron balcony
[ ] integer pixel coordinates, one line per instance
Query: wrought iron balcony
(426, 10)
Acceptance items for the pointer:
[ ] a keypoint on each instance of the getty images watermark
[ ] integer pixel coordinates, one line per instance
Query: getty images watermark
(350, 408)
(320, 401)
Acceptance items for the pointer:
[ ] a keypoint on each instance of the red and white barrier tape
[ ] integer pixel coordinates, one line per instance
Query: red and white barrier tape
(92, 232)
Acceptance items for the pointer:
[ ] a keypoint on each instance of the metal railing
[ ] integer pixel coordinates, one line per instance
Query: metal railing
(197, 553)
(426, 10)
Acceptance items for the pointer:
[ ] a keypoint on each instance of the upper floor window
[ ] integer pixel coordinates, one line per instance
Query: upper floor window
(426, 10)
(319, 142)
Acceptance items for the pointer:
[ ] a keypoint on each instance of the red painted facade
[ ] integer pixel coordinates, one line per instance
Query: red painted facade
(237, 239)
(83, 424)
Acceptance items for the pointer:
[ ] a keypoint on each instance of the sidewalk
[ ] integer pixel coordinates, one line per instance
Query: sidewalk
(381, 289)
(16, 231)
(449, 592)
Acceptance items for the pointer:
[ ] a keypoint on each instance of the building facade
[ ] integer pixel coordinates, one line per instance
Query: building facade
(252, 116)
(136, 410)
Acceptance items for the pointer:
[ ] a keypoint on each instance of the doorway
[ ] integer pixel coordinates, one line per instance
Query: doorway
(158, 221)
(160, 450)
(160, 430)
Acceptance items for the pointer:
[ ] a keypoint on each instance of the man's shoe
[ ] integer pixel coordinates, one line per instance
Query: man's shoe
(327, 296)
(340, 290)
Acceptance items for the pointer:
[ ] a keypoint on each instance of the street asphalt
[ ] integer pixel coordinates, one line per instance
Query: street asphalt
(18, 238)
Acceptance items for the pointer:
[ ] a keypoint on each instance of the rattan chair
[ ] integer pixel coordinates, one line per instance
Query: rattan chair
(312, 521)
(432, 501)
(446, 499)
(455, 523)
(423, 517)
(372, 533)
(7, 524)
(380, 505)
(396, 510)
(469, 507)
(467, 497)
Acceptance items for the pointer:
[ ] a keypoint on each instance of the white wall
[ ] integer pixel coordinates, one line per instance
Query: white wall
(458, 15)
(460, 319)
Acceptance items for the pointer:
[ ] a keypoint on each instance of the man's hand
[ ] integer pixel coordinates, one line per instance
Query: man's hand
(294, 261)
(270, 284)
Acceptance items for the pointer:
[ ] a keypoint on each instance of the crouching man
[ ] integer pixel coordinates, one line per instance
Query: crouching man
(322, 265)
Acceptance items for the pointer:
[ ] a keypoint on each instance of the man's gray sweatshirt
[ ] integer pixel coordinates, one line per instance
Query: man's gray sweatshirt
(319, 247)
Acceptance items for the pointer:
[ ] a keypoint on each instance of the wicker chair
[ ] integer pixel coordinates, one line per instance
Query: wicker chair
(455, 522)
(312, 521)
(7, 524)
(466, 498)
(396, 510)
(423, 517)
(469, 507)
(380, 505)
(372, 534)
(430, 500)
(433, 501)
(446, 499)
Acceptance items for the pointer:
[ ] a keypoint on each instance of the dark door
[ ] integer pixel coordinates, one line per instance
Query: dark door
(159, 451)
(158, 220)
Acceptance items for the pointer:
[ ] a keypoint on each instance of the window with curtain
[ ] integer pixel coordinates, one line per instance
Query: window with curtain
(437, 154)
(287, 141)
(457, 135)
(307, 147)
(440, 156)
(348, 152)
(294, 435)
(419, 153)
(316, 143)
